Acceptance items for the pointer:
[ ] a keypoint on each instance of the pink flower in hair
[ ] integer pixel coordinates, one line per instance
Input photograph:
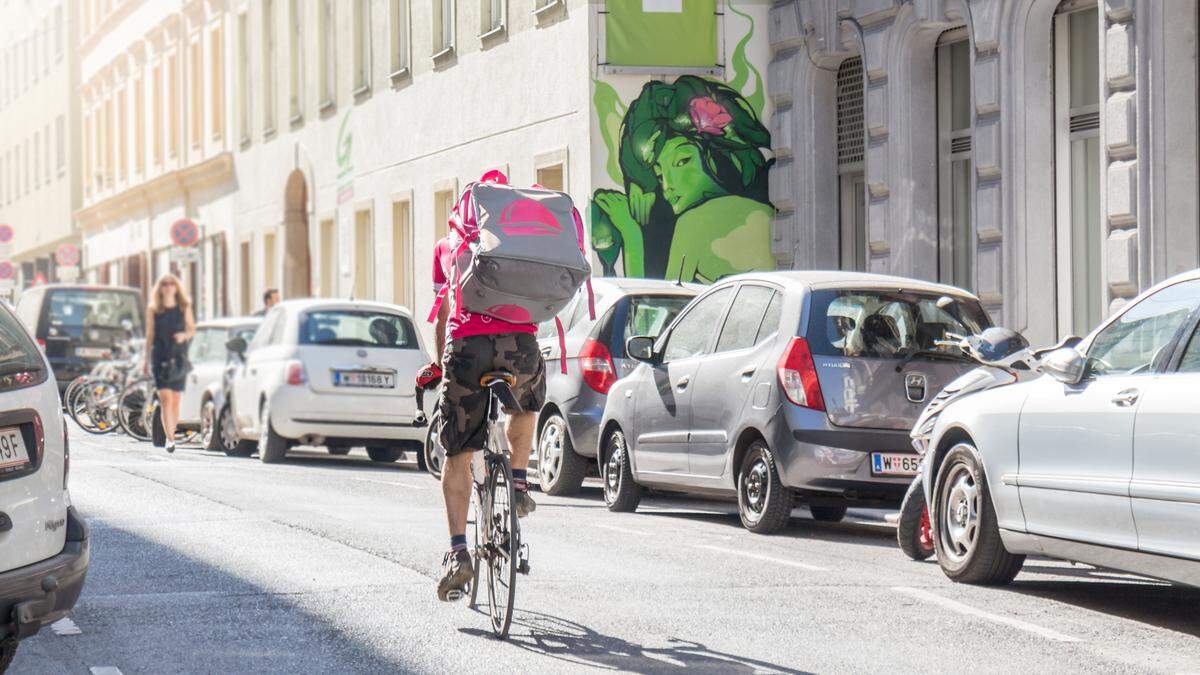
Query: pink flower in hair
(708, 116)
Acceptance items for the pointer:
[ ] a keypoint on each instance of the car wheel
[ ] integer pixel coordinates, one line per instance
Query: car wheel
(227, 436)
(560, 468)
(8, 649)
(384, 454)
(434, 455)
(621, 493)
(338, 450)
(828, 514)
(966, 535)
(913, 531)
(208, 426)
(764, 504)
(271, 446)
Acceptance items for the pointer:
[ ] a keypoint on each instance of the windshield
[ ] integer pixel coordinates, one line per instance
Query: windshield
(889, 324)
(650, 314)
(357, 328)
(18, 354)
(74, 309)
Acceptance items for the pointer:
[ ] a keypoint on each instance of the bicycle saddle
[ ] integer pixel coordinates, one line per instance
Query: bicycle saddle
(498, 376)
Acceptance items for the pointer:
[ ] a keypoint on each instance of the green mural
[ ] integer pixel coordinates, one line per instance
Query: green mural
(691, 157)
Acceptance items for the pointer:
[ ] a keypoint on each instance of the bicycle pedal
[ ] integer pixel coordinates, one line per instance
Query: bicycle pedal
(455, 596)
(523, 567)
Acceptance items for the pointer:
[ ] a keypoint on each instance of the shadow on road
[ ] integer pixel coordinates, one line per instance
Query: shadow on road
(1147, 601)
(571, 642)
(845, 532)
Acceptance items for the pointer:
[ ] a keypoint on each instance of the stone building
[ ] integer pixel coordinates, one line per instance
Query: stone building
(1042, 153)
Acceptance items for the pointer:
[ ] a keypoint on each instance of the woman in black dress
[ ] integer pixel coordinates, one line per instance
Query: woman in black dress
(169, 327)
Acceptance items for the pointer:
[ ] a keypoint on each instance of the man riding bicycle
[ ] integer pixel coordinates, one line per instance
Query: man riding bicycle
(470, 345)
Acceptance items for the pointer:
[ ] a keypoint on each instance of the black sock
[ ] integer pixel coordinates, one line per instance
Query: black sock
(458, 542)
(519, 483)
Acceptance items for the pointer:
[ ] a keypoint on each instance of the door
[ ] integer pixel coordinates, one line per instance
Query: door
(1076, 441)
(664, 403)
(1165, 491)
(726, 378)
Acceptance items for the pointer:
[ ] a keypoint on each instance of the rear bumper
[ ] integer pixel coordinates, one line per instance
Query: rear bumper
(584, 424)
(299, 412)
(37, 595)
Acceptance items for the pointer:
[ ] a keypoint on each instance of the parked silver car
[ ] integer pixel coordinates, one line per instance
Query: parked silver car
(778, 385)
(596, 359)
(198, 405)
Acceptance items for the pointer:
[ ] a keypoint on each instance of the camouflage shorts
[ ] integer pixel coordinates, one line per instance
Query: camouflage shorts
(463, 404)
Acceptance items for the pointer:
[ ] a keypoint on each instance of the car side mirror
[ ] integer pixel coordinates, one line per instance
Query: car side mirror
(236, 345)
(641, 348)
(1066, 365)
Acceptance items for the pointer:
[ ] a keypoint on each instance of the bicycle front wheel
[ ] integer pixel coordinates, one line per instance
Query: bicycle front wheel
(504, 542)
(131, 409)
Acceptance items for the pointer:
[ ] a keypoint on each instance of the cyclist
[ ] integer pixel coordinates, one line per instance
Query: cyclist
(468, 346)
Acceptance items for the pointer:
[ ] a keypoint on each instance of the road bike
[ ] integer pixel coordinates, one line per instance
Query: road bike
(497, 531)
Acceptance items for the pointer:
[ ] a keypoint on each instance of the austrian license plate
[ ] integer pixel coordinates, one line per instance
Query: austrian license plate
(91, 352)
(12, 449)
(364, 378)
(894, 464)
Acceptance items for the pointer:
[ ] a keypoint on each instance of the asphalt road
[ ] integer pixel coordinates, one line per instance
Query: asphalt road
(202, 563)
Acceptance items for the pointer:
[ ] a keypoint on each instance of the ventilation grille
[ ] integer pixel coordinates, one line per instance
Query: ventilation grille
(960, 144)
(1085, 121)
(850, 111)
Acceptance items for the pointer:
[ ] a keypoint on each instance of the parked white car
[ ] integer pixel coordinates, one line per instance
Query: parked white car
(331, 373)
(208, 355)
(1094, 461)
(44, 544)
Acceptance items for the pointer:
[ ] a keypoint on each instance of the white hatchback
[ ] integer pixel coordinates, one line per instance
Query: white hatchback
(331, 373)
(44, 545)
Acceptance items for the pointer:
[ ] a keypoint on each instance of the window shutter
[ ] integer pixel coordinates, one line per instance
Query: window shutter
(850, 111)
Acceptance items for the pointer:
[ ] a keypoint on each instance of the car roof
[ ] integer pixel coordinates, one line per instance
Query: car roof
(86, 287)
(833, 279)
(310, 304)
(626, 285)
(230, 322)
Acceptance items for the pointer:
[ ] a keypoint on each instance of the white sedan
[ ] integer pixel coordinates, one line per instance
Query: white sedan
(1096, 461)
(330, 372)
(197, 405)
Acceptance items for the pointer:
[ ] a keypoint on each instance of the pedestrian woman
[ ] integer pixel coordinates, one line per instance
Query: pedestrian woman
(170, 326)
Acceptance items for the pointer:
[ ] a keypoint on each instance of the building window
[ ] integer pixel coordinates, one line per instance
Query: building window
(400, 36)
(37, 160)
(139, 129)
(174, 113)
(46, 45)
(87, 153)
(327, 48)
(268, 37)
(243, 83)
(217, 60)
(552, 177)
(329, 257)
(197, 94)
(362, 46)
(46, 164)
(244, 276)
(296, 60)
(402, 271)
(364, 255)
(58, 32)
(269, 258)
(956, 241)
(158, 115)
(110, 163)
(850, 152)
(1080, 227)
(443, 26)
(122, 131)
(491, 16)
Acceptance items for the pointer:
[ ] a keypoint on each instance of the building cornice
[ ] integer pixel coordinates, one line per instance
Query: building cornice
(209, 172)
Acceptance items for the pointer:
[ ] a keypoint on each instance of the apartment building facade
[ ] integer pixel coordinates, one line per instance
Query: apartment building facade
(1042, 153)
(39, 148)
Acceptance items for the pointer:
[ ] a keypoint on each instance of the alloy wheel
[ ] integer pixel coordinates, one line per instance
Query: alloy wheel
(959, 517)
(612, 468)
(756, 487)
(229, 437)
(207, 424)
(550, 454)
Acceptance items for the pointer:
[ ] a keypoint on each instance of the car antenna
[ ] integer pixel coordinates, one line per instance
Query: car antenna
(679, 279)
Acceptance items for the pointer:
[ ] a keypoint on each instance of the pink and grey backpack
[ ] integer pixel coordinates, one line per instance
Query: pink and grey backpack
(521, 255)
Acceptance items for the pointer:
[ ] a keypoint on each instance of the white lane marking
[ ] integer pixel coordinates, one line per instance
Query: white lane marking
(778, 561)
(156, 458)
(961, 608)
(105, 670)
(65, 626)
(623, 530)
(391, 482)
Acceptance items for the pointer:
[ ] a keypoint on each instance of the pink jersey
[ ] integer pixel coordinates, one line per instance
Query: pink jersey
(468, 324)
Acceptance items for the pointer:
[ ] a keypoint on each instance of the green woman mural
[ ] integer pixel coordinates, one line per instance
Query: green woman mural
(695, 205)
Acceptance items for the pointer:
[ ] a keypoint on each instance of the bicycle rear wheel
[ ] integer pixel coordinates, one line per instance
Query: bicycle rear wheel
(131, 410)
(92, 404)
(504, 535)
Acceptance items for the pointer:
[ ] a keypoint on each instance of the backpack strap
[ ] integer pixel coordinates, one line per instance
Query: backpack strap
(591, 295)
(437, 302)
(562, 344)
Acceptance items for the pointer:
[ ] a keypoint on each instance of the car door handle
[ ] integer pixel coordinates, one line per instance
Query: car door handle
(748, 374)
(547, 351)
(683, 382)
(1126, 398)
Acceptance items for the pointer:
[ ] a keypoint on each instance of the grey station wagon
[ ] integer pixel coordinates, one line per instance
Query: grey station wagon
(782, 385)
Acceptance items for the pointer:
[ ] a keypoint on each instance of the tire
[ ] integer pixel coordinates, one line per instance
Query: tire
(827, 514)
(621, 493)
(227, 438)
(433, 455)
(208, 426)
(967, 538)
(8, 649)
(272, 447)
(560, 469)
(338, 450)
(764, 504)
(384, 454)
(505, 535)
(913, 532)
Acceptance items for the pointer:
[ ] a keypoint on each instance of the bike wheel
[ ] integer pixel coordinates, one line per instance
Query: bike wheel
(503, 546)
(131, 410)
(91, 404)
(479, 553)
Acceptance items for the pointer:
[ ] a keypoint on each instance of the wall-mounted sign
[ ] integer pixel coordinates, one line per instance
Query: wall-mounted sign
(185, 232)
(6, 234)
(6, 270)
(67, 255)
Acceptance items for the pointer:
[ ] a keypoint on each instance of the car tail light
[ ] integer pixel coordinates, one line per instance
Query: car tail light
(798, 375)
(296, 374)
(41, 344)
(596, 362)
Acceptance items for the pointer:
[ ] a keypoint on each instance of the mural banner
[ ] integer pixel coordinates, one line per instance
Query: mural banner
(668, 33)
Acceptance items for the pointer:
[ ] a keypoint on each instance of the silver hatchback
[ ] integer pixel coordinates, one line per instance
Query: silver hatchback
(782, 385)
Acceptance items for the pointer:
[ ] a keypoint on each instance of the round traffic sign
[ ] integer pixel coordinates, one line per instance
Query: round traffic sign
(6, 270)
(184, 232)
(67, 255)
(6, 234)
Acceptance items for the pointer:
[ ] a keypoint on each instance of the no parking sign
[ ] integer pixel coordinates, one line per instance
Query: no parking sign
(185, 232)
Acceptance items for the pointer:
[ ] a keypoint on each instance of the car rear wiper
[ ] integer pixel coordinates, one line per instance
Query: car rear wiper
(931, 354)
(20, 368)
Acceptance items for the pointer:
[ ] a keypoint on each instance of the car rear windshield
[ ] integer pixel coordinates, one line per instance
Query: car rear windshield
(650, 314)
(357, 328)
(18, 354)
(78, 308)
(889, 324)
